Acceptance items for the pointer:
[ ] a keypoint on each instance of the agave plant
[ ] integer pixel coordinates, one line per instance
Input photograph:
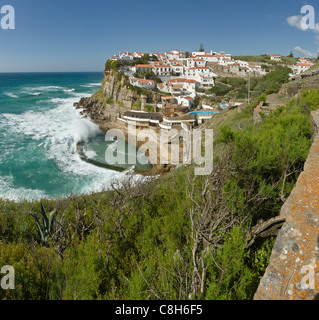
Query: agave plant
(46, 228)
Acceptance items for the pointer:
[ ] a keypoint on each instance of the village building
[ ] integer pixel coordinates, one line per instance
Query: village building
(226, 62)
(188, 85)
(164, 87)
(143, 83)
(138, 55)
(185, 101)
(276, 57)
(226, 69)
(177, 70)
(197, 71)
(176, 89)
(159, 56)
(162, 69)
(175, 54)
(206, 81)
(199, 53)
(301, 67)
(192, 63)
(123, 56)
(142, 119)
(177, 121)
(208, 57)
(168, 100)
(142, 67)
(305, 60)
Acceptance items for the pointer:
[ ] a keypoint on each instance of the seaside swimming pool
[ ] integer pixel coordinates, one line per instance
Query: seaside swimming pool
(204, 112)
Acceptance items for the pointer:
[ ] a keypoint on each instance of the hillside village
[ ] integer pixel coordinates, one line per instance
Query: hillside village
(182, 77)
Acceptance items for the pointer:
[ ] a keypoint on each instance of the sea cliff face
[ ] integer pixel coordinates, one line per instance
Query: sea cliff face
(114, 97)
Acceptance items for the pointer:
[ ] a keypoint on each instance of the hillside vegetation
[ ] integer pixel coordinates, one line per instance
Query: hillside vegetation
(177, 237)
(288, 60)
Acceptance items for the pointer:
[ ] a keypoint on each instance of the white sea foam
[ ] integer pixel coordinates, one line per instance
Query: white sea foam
(60, 129)
(90, 85)
(11, 95)
(11, 192)
(90, 154)
(41, 89)
(68, 90)
(50, 88)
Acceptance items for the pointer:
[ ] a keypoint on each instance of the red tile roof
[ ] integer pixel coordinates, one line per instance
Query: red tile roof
(202, 67)
(182, 80)
(188, 98)
(168, 98)
(143, 66)
(142, 80)
(304, 64)
(162, 66)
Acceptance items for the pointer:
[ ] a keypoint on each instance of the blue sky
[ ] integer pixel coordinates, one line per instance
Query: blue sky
(79, 35)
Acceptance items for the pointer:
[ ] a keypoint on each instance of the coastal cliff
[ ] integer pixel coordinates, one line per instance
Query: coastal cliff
(115, 96)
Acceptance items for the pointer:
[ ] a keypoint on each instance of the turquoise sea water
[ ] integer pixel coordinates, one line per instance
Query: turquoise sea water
(39, 131)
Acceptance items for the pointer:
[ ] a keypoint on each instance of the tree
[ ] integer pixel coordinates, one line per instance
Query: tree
(291, 55)
(201, 48)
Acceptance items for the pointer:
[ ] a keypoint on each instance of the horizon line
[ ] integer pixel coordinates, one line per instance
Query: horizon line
(51, 72)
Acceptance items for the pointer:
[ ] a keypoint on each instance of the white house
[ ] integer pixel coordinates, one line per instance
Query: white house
(185, 101)
(142, 67)
(189, 85)
(162, 69)
(176, 89)
(175, 54)
(192, 62)
(208, 57)
(301, 67)
(225, 62)
(234, 68)
(226, 56)
(172, 62)
(206, 81)
(276, 57)
(242, 63)
(305, 60)
(197, 71)
(254, 68)
(177, 70)
(160, 56)
(123, 56)
(143, 83)
(138, 55)
(164, 87)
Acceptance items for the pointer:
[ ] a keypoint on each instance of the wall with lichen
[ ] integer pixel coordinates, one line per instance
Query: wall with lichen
(293, 271)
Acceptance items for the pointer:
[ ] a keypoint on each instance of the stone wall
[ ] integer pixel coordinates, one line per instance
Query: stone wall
(293, 271)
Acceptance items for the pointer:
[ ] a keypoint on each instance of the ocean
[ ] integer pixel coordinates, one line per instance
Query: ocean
(39, 131)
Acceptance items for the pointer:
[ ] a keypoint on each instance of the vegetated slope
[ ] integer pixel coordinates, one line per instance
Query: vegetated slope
(292, 89)
(178, 237)
(296, 247)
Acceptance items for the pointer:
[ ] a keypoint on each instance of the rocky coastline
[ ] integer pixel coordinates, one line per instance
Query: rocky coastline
(105, 114)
